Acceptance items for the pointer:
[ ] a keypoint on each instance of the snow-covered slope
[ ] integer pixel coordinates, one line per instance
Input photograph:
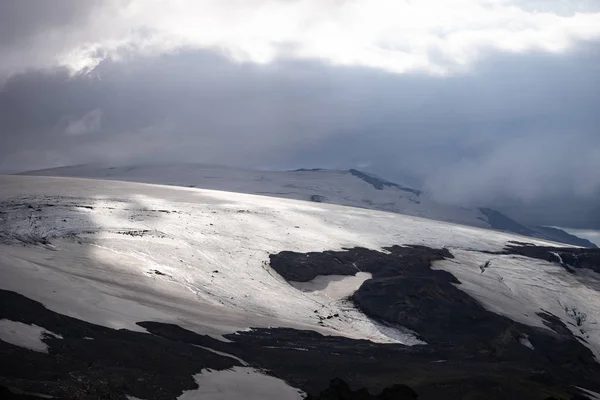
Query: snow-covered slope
(115, 253)
(196, 245)
(349, 188)
(344, 187)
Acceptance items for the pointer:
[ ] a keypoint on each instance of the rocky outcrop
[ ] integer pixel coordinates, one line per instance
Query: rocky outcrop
(303, 267)
(379, 183)
(339, 390)
(570, 258)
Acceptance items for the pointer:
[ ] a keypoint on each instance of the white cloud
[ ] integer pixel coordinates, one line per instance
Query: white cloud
(88, 123)
(528, 167)
(435, 36)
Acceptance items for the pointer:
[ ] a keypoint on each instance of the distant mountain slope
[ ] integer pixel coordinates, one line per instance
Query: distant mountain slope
(344, 187)
(349, 188)
(379, 183)
(501, 222)
(558, 235)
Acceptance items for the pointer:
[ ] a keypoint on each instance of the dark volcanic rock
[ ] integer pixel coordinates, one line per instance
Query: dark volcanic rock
(95, 362)
(430, 306)
(379, 183)
(15, 394)
(339, 390)
(571, 258)
(303, 267)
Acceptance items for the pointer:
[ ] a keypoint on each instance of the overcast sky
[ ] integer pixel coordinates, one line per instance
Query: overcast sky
(480, 102)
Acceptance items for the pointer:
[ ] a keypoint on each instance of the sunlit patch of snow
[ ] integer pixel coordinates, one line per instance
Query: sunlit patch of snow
(24, 335)
(590, 394)
(399, 334)
(335, 187)
(525, 342)
(333, 287)
(240, 383)
(244, 363)
(557, 256)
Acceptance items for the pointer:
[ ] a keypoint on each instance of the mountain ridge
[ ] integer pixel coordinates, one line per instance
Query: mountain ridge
(317, 185)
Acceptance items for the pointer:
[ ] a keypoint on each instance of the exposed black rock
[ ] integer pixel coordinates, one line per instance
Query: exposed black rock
(485, 266)
(16, 394)
(339, 390)
(303, 267)
(379, 183)
(570, 258)
(318, 199)
(308, 360)
(95, 362)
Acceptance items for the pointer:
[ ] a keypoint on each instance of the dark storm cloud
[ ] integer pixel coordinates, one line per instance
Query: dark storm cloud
(518, 131)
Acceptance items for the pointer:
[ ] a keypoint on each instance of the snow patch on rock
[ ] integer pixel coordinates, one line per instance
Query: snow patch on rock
(240, 383)
(24, 335)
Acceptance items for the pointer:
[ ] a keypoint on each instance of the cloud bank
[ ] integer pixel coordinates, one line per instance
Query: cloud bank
(489, 102)
(437, 37)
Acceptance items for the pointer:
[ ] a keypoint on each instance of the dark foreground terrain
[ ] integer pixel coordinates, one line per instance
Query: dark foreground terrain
(471, 353)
